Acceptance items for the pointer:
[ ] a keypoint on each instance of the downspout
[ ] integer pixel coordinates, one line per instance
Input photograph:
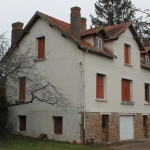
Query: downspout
(83, 93)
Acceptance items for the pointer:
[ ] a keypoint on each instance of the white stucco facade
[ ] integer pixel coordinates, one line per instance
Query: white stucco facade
(62, 67)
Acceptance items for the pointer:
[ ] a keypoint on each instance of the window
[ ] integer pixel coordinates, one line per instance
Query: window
(147, 60)
(127, 54)
(41, 47)
(22, 88)
(100, 86)
(126, 90)
(22, 123)
(57, 125)
(147, 93)
(98, 43)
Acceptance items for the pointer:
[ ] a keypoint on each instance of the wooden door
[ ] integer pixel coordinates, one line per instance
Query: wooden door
(145, 127)
(104, 128)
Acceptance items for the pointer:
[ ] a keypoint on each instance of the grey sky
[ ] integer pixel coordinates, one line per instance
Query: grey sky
(16, 10)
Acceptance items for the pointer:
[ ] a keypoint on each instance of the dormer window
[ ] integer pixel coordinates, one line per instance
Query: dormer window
(147, 60)
(98, 43)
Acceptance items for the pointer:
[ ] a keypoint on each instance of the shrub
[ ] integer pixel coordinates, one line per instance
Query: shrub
(3, 114)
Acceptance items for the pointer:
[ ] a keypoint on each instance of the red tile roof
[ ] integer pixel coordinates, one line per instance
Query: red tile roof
(60, 24)
(63, 26)
(114, 31)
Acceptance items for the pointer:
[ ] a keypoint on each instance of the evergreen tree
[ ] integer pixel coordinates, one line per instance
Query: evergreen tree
(110, 12)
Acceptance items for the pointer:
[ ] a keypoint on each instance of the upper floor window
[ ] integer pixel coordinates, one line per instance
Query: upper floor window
(147, 60)
(127, 53)
(100, 86)
(126, 90)
(22, 88)
(98, 43)
(41, 47)
(147, 93)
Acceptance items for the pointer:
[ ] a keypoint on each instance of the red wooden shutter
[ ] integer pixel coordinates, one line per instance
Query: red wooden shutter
(126, 54)
(99, 86)
(123, 89)
(128, 90)
(41, 47)
(57, 125)
(22, 89)
(22, 123)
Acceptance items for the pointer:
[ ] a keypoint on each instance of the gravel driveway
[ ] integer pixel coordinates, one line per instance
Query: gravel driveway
(143, 144)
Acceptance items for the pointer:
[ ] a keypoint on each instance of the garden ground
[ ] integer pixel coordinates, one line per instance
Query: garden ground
(17, 142)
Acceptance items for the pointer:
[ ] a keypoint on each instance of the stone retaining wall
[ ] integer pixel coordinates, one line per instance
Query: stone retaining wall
(138, 126)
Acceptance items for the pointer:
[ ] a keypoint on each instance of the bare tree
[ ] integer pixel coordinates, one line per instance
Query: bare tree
(16, 64)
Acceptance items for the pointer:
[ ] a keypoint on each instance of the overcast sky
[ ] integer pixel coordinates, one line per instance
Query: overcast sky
(16, 10)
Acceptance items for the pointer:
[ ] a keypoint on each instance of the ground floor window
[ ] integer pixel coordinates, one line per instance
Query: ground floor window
(22, 123)
(58, 125)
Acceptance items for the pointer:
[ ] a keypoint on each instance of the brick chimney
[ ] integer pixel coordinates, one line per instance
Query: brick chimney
(83, 23)
(16, 31)
(75, 24)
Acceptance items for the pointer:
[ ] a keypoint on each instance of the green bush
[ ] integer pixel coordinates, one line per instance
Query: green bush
(3, 114)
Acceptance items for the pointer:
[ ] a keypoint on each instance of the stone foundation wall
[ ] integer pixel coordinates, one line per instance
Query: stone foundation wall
(114, 128)
(138, 126)
(148, 124)
(93, 128)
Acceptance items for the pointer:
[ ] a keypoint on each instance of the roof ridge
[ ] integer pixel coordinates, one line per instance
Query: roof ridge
(117, 24)
(52, 17)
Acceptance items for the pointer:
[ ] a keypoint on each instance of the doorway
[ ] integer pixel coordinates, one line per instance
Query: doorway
(104, 127)
(145, 126)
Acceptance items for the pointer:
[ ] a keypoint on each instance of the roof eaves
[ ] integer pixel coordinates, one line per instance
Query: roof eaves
(97, 52)
(136, 37)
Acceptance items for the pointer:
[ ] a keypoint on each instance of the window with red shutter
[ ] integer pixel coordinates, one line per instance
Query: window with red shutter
(22, 123)
(126, 54)
(147, 93)
(41, 47)
(22, 88)
(100, 86)
(58, 125)
(126, 90)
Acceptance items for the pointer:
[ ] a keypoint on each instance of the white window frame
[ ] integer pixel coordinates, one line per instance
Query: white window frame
(98, 43)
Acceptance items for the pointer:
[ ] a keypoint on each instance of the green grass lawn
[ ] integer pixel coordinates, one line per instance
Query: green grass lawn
(16, 142)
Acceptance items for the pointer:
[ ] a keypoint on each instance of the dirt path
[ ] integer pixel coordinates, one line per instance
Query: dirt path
(143, 144)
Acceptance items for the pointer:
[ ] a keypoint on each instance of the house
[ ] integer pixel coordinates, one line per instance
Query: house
(104, 71)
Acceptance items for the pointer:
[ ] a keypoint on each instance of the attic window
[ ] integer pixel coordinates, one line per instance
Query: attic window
(98, 43)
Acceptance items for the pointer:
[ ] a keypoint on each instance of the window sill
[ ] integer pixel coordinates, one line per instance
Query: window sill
(129, 65)
(127, 103)
(39, 60)
(20, 101)
(101, 100)
(21, 131)
(57, 134)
